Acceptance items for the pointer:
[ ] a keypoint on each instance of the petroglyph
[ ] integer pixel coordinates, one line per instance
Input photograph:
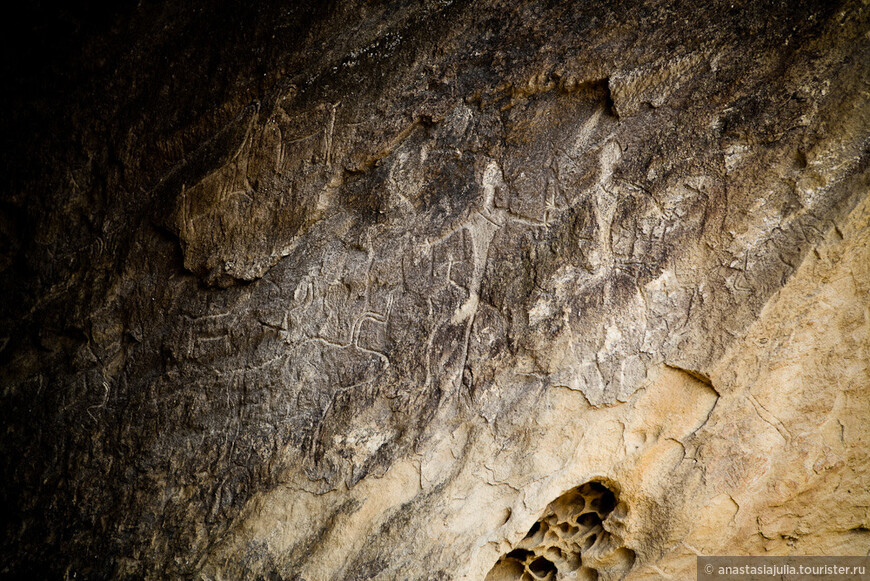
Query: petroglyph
(355, 292)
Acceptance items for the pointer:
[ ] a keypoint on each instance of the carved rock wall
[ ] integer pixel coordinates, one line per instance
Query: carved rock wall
(435, 290)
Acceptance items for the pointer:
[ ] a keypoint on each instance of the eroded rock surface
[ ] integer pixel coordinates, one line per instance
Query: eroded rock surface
(384, 290)
(570, 540)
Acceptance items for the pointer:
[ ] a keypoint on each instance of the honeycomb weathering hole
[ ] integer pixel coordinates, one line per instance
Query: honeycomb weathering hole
(569, 538)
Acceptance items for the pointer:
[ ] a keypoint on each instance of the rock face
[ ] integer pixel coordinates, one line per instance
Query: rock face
(435, 290)
(569, 539)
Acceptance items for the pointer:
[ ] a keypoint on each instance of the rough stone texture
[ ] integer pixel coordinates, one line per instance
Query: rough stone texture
(362, 291)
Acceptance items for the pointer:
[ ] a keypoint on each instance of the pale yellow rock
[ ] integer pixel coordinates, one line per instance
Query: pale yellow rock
(784, 451)
(775, 463)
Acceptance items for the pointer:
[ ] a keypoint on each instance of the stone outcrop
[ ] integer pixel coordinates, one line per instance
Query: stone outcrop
(435, 290)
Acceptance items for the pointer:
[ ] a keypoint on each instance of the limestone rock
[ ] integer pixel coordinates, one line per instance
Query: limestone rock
(435, 290)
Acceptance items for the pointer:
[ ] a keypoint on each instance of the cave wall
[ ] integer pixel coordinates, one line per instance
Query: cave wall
(354, 291)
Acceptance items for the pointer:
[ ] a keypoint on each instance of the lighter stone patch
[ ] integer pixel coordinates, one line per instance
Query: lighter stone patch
(542, 310)
(613, 337)
(466, 310)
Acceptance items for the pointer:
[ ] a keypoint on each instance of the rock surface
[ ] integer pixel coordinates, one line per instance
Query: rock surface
(396, 290)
